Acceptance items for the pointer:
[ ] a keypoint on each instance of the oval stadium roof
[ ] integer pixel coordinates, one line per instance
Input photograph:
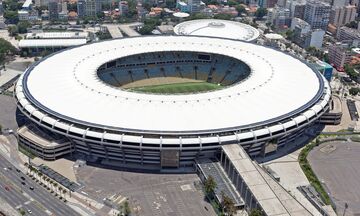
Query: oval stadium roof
(66, 85)
(217, 28)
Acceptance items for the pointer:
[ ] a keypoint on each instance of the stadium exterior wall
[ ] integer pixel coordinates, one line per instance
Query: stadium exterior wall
(147, 151)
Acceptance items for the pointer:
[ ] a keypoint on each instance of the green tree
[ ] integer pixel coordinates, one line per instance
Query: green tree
(349, 70)
(256, 212)
(240, 9)
(354, 91)
(289, 34)
(352, 24)
(146, 29)
(232, 3)
(22, 211)
(127, 209)
(227, 204)
(6, 49)
(260, 12)
(11, 16)
(197, 16)
(222, 16)
(13, 31)
(22, 27)
(210, 185)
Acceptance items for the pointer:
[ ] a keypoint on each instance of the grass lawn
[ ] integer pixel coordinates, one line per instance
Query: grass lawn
(176, 88)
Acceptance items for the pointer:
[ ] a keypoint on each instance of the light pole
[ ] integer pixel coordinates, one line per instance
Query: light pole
(346, 206)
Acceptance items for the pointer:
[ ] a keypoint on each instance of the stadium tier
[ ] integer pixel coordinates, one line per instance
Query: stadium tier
(267, 100)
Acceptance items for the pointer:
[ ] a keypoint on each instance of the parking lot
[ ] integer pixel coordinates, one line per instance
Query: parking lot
(7, 112)
(149, 194)
(337, 165)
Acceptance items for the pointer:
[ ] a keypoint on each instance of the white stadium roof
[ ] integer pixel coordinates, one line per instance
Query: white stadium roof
(66, 84)
(32, 43)
(217, 28)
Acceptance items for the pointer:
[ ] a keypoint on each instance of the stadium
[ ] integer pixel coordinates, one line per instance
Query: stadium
(218, 28)
(103, 100)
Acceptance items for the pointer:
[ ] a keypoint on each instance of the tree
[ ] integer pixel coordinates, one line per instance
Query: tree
(228, 204)
(260, 12)
(354, 91)
(197, 16)
(210, 185)
(289, 34)
(22, 26)
(13, 31)
(232, 3)
(349, 70)
(240, 9)
(146, 29)
(256, 212)
(127, 209)
(11, 17)
(352, 24)
(222, 16)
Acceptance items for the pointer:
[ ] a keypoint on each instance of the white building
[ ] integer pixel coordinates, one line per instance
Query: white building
(23, 15)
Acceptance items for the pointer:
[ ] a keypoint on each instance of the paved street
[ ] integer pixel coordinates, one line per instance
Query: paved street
(43, 199)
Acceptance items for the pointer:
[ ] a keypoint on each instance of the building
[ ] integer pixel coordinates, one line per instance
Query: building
(81, 8)
(157, 131)
(54, 9)
(342, 15)
(88, 8)
(317, 14)
(339, 55)
(38, 43)
(339, 3)
(165, 29)
(217, 28)
(64, 8)
(92, 7)
(194, 6)
(123, 7)
(297, 9)
(279, 17)
(304, 36)
(273, 40)
(23, 15)
(325, 69)
(182, 6)
(348, 34)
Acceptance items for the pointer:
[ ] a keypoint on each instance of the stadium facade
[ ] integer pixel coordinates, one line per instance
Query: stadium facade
(75, 101)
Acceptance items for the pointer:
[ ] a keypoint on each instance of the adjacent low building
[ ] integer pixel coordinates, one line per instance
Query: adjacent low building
(218, 28)
(37, 43)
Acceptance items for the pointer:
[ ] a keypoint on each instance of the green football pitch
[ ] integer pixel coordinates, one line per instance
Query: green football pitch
(177, 88)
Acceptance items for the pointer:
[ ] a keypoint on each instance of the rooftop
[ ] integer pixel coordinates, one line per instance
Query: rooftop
(280, 83)
(217, 28)
(273, 198)
(27, 43)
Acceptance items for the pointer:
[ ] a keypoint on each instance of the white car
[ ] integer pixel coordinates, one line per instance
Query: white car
(29, 211)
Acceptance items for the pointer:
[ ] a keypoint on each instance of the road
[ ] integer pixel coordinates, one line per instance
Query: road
(37, 200)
